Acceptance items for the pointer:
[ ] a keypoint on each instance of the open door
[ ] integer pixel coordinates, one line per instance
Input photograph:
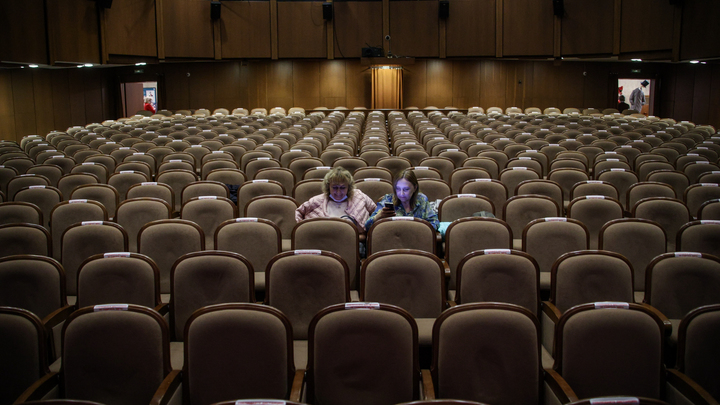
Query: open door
(632, 89)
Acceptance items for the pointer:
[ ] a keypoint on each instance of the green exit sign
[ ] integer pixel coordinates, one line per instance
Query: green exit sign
(139, 71)
(635, 70)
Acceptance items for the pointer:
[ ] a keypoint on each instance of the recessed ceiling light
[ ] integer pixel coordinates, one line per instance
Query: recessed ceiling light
(694, 61)
(88, 65)
(81, 66)
(140, 64)
(33, 66)
(636, 60)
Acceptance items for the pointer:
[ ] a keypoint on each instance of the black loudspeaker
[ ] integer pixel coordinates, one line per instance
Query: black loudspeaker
(327, 11)
(104, 3)
(444, 9)
(558, 7)
(215, 8)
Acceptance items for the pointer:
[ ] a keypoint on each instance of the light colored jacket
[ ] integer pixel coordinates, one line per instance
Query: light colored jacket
(359, 207)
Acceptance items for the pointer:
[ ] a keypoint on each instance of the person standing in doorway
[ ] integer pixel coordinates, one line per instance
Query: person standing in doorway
(637, 97)
(148, 105)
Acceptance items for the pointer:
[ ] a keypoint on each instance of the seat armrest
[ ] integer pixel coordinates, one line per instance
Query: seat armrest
(296, 391)
(428, 386)
(163, 309)
(548, 320)
(663, 318)
(451, 304)
(167, 388)
(560, 388)
(551, 311)
(689, 388)
(40, 388)
(58, 316)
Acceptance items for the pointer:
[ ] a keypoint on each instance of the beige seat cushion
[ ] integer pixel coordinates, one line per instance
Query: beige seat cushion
(300, 352)
(177, 355)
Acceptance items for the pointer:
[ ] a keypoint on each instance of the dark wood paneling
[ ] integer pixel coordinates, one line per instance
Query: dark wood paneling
(357, 25)
(415, 85)
(647, 25)
(177, 86)
(76, 93)
(493, 77)
(43, 99)
(61, 99)
(358, 85)
(714, 113)
(7, 107)
(24, 102)
(23, 32)
(439, 80)
(258, 80)
(130, 28)
(684, 91)
(306, 84)
(701, 96)
(414, 28)
(527, 28)
(93, 93)
(301, 30)
(332, 84)
(230, 86)
(596, 85)
(201, 85)
(280, 85)
(188, 29)
(466, 84)
(73, 31)
(587, 27)
(471, 28)
(245, 29)
(700, 36)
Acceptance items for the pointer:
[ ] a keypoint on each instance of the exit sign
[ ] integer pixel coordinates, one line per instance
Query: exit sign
(635, 71)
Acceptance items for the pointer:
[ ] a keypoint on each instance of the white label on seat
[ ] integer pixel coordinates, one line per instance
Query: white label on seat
(553, 144)
(307, 252)
(206, 130)
(610, 153)
(112, 143)
(116, 254)
(410, 143)
(586, 135)
(247, 219)
(702, 162)
(612, 160)
(480, 143)
(715, 172)
(608, 304)
(57, 156)
(649, 136)
(452, 150)
(218, 151)
(83, 223)
(688, 254)
(322, 167)
(708, 184)
(223, 135)
(149, 183)
(625, 146)
(525, 158)
(617, 170)
(402, 218)
(693, 154)
(261, 181)
(264, 158)
(638, 140)
(372, 179)
(196, 146)
(466, 195)
(709, 222)
(483, 179)
(702, 147)
(594, 197)
(422, 167)
(33, 187)
(496, 251)
(162, 136)
(520, 168)
(207, 197)
(137, 153)
(615, 400)
(77, 201)
(362, 305)
(241, 402)
(126, 171)
(110, 307)
(555, 219)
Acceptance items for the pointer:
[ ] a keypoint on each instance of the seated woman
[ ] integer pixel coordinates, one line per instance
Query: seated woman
(407, 201)
(339, 199)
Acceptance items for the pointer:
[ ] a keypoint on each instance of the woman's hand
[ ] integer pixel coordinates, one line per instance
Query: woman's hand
(385, 213)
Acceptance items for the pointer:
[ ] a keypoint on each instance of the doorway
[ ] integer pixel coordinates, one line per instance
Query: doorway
(134, 94)
(627, 85)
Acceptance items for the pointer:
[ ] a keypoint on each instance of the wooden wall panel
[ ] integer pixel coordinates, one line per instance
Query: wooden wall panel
(466, 84)
(23, 31)
(577, 37)
(415, 85)
(527, 28)
(358, 85)
(258, 81)
(130, 28)
(245, 29)
(439, 81)
(471, 28)
(188, 29)
(701, 95)
(714, 105)
(596, 85)
(76, 95)
(24, 102)
(700, 36)
(73, 31)
(357, 24)
(684, 92)
(61, 99)
(279, 84)
(301, 30)
(230, 86)
(493, 77)
(7, 107)
(43, 99)
(201, 85)
(414, 28)
(177, 86)
(647, 25)
(306, 84)
(332, 84)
